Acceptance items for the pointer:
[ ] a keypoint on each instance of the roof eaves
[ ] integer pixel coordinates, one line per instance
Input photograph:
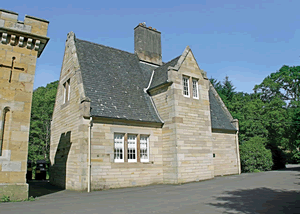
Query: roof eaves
(126, 119)
(160, 85)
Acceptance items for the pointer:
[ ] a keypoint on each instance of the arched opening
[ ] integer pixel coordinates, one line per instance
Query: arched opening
(4, 130)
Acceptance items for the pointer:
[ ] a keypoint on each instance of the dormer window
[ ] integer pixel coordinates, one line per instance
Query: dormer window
(195, 89)
(67, 91)
(186, 91)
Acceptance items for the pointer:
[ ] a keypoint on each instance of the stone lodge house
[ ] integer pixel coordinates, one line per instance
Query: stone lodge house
(21, 43)
(123, 119)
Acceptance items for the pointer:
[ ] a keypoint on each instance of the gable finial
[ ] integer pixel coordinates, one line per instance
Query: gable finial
(71, 35)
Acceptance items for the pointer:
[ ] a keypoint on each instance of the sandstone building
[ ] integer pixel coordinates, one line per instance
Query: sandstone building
(21, 43)
(124, 119)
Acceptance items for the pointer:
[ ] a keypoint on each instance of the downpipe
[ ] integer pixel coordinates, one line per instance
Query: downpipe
(89, 154)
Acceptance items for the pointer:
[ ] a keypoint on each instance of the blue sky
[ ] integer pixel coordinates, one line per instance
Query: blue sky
(246, 40)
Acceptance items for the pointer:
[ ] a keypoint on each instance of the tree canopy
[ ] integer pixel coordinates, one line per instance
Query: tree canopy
(271, 112)
(43, 100)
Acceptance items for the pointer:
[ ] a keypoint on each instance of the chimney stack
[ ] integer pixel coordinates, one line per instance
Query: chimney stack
(147, 44)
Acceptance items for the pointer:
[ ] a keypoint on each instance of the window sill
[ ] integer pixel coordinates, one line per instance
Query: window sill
(65, 104)
(150, 162)
(5, 155)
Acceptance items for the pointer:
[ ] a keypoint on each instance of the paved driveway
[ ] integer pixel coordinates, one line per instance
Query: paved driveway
(266, 192)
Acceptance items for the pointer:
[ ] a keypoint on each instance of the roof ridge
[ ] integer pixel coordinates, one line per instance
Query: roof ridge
(104, 46)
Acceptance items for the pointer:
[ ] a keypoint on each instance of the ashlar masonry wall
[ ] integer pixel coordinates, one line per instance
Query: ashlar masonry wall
(225, 152)
(69, 130)
(187, 137)
(193, 123)
(165, 104)
(20, 45)
(105, 173)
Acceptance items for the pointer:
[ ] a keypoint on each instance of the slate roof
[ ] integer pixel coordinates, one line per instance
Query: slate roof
(219, 119)
(114, 81)
(161, 73)
(147, 70)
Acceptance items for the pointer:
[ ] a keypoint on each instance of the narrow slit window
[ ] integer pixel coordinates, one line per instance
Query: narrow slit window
(186, 92)
(195, 89)
(119, 148)
(67, 88)
(4, 129)
(144, 148)
(132, 147)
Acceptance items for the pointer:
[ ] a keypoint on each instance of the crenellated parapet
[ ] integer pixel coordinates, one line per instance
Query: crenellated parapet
(30, 33)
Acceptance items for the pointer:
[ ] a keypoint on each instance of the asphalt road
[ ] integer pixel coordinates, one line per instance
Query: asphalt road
(266, 192)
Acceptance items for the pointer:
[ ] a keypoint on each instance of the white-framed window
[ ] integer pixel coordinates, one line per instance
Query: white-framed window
(144, 148)
(119, 148)
(132, 148)
(67, 90)
(185, 81)
(195, 89)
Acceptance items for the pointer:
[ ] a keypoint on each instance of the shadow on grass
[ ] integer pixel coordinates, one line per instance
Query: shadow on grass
(41, 188)
(259, 200)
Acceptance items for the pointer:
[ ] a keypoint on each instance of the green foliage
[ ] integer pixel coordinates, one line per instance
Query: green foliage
(254, 156)
(225, 89)
(282, 90)
(272, 112)
(43, 101)
(6, 198)
(31, 198)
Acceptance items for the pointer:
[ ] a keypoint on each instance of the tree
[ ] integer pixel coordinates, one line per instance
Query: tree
(254, 156)
(282, 90)
(226, 90)
(284, 84)
(43, 101)
(250, 112)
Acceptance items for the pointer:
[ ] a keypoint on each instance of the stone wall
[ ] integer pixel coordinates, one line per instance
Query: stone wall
(68, 144)
(105, 173)
(165, 104)
(225, 151)
(187, 129)
(193, 123)
(20, 45)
